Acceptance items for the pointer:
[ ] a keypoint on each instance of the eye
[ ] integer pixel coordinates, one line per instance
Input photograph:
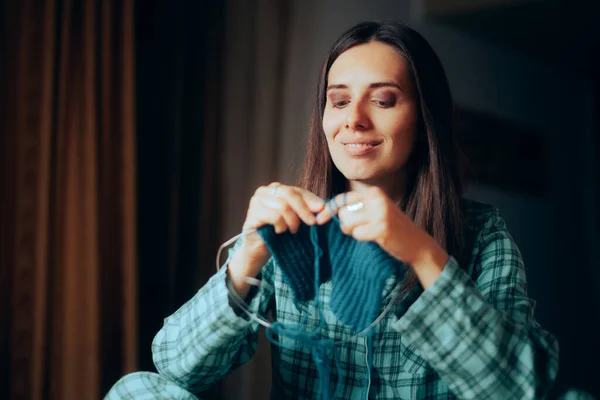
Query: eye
(338, 99)
(385, 100)
(385, 103)
(340, 103)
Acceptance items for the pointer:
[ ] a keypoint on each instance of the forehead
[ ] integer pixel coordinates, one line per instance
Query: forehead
(368, 63)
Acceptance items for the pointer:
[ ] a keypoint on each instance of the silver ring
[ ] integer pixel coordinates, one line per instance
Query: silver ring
(355, 206)
(274, 188)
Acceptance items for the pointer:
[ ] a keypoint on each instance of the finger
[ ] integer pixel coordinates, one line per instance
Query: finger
(314, 202)
(261, 213)
(355, 212)
(363, 233)
(269, 190)
(350, 220)
(350, 228)
(296, 201)
(281, 215)
(257, 214)
(336, 203)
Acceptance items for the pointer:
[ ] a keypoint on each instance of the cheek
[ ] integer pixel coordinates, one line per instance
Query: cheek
(331, 124)
(405, 127)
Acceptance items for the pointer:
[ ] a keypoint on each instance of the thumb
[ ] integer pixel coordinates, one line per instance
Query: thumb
(314, 202)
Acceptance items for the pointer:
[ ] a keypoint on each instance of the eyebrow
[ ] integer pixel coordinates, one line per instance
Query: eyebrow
(374, 85)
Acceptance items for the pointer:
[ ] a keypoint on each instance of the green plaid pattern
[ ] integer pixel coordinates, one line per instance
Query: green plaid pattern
(472, 334)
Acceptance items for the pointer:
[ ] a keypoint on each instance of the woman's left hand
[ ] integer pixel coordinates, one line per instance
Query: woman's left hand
(373, 216)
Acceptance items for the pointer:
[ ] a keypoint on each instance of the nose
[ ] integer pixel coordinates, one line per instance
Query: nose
(357, 117)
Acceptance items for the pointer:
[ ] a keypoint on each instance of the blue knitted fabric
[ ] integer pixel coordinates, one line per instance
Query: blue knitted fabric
(358, 270)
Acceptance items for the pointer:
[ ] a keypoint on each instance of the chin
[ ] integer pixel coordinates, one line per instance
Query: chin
(359, 176)
(367, 175)
(362, 169)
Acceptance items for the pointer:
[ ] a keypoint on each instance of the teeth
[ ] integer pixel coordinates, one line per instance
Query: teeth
(357, 145)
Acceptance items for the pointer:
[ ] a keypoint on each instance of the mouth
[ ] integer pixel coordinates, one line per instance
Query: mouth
(359, 148)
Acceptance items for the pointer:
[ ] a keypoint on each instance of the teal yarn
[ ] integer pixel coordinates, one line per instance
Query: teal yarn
(358, 270)
(321, 349)
(295, 255)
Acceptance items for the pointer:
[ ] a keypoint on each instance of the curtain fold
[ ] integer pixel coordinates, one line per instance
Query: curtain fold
(76, 213)
(69, 128)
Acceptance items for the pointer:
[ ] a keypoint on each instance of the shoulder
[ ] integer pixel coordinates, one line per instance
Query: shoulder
(496, 264)
(478, 214)
(482, 220)
(487, 233)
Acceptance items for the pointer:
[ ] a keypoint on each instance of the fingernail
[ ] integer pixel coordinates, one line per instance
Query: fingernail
(317, 206)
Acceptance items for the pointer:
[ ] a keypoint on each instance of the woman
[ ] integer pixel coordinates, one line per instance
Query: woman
(381, 131)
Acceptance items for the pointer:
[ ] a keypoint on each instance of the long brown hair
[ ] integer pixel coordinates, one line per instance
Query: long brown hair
(434, 192)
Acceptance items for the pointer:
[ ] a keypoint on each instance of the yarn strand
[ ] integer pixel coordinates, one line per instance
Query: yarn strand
(322, 349)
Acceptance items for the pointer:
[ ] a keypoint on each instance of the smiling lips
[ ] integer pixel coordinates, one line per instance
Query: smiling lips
(360, 147)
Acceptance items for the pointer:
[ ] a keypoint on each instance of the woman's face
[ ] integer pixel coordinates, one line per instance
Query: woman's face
(371, 115)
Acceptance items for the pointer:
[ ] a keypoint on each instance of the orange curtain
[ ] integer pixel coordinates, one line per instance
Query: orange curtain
(68, 278)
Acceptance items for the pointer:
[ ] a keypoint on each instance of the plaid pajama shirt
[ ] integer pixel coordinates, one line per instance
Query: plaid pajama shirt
(472, 334)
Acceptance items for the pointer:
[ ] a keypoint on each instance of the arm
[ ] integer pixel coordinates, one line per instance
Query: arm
(206, 339)
(480, 336)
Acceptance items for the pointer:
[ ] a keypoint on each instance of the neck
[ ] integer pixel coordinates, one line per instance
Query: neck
(392, 186)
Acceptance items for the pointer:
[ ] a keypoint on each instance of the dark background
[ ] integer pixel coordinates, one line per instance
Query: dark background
(525, 76)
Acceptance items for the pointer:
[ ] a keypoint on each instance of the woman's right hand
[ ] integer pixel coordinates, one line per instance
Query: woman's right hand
(279, 205)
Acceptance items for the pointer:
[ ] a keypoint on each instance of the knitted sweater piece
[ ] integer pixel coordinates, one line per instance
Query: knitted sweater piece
(358, 270)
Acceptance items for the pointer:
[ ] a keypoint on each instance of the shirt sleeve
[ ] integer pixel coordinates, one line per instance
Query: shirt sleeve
(206, 339)
(480, 335)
